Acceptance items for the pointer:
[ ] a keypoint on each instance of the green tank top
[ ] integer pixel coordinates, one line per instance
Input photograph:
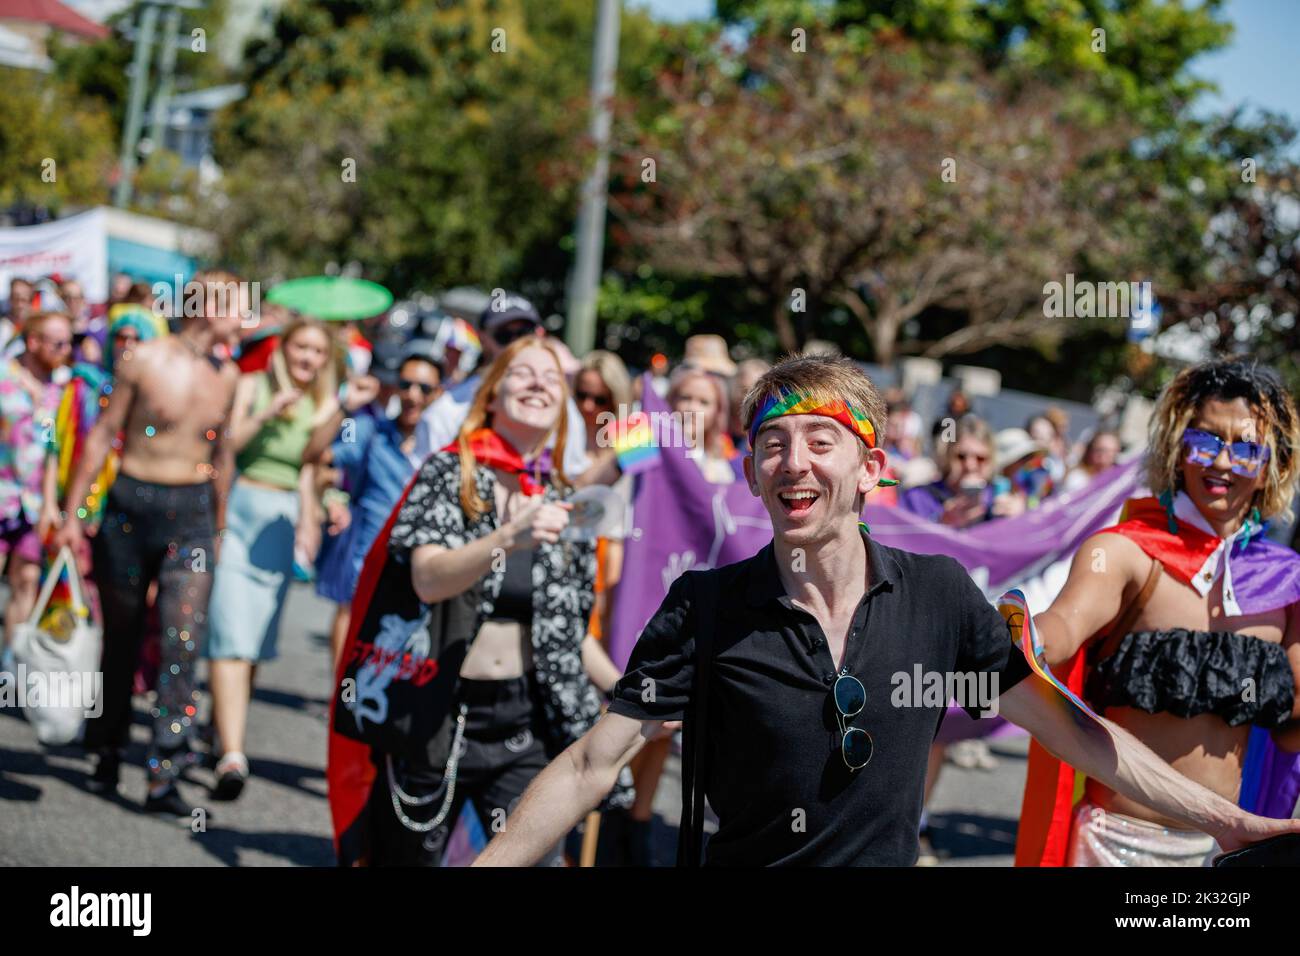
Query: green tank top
(274, 455)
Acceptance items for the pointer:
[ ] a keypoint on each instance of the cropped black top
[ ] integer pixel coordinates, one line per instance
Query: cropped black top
(1240, 678)
(515, 602)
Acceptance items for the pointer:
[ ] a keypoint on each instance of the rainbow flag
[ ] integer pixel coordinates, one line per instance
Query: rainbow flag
(464, 338)
(82, 402)
(634, 444)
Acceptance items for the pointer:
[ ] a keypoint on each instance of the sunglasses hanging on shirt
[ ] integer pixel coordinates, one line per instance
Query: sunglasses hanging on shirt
(850, 697)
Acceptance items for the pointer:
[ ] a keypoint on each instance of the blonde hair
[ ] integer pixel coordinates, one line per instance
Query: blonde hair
(325, 383)
(718, 427)
(470, 501)
(1269, 402)
(822, 377)
(970, 426)
(612, 372)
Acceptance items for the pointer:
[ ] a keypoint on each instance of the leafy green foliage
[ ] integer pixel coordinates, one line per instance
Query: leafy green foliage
(458, 119)
(56, 147)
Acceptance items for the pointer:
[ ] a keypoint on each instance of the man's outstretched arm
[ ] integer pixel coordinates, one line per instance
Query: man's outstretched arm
(567, 790)
(1126, 765)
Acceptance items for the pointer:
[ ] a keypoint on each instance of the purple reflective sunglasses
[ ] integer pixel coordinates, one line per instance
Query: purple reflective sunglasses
(1203, 449)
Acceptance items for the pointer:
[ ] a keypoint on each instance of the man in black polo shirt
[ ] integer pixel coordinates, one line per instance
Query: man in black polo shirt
(816, 729)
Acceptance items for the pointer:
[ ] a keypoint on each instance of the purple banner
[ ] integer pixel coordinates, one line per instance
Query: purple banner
(681, 522)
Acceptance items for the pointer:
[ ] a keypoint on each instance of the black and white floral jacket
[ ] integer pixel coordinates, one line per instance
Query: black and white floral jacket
(564, 576)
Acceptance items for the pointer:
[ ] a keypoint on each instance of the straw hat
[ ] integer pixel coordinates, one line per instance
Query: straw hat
(1014, 444)
(709, 352)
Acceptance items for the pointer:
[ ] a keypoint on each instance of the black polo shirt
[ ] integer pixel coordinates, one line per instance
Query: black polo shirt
(773, 771)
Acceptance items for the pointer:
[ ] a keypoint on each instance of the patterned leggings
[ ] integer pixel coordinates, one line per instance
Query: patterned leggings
(164, 533)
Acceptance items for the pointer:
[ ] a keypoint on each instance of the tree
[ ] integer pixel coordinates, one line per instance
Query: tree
(424, 141)
(98, 71)
(865, 175)
(56, 148)
(1244, 295)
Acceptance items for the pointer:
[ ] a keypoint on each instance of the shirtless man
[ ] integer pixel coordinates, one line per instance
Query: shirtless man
(1191, 619)
(171, 397)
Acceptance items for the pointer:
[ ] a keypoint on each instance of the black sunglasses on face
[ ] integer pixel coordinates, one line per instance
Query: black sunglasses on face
(515, 330)
(406, 384)
(856, 745)
(600, 401)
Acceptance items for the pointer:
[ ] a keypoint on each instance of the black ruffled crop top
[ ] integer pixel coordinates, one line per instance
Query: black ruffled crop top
(1188, 673)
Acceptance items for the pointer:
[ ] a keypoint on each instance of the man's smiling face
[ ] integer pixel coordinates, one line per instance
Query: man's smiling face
(810, 472)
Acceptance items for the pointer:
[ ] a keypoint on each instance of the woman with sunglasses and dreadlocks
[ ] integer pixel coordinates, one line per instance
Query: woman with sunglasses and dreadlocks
(1182, 625)
(786, 669)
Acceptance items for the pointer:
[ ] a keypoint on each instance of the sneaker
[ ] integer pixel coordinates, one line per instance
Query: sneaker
(971, 755)
(303, 567)
(107, 771)
(169, 803)
(232, 773)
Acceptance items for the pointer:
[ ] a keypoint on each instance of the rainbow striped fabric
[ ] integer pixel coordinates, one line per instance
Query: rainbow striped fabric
(793, 403)
(634, 443)
(83, 400)
(1015, 611)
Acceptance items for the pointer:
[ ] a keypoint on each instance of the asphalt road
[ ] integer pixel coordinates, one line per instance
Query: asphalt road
(282, 818)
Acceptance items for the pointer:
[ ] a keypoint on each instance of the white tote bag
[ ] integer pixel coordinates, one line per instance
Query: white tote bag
(59, 680)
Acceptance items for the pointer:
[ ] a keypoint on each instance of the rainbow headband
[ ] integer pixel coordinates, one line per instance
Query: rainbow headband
(792, 403)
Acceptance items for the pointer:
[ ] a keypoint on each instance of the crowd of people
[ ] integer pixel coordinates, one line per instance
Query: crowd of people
(197, 465)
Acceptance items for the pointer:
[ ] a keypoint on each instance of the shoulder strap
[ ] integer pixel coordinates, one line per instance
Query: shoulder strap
(261, 392)
(1128, 615)
(690, 836)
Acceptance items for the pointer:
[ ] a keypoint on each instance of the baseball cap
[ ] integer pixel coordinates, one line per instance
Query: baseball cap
(386, 359)
(508, 308)
(422, 349)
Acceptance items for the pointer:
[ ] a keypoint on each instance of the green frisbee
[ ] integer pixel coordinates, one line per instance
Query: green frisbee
(332, 298)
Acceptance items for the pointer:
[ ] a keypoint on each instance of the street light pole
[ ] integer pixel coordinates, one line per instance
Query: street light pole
(135, 104)
(166, 77)
(580, 334)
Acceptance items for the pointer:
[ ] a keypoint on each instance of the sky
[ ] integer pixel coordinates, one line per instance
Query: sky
(1258, 67)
